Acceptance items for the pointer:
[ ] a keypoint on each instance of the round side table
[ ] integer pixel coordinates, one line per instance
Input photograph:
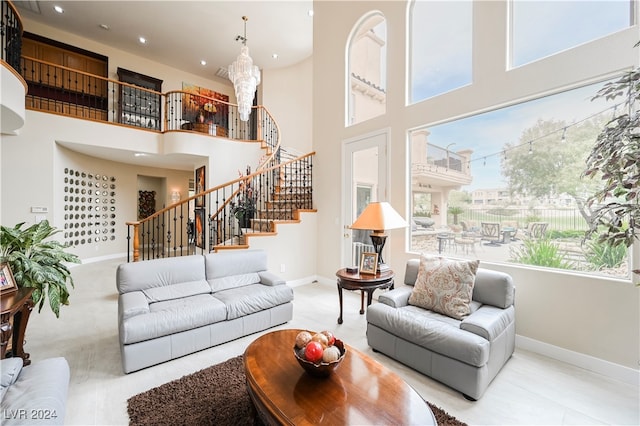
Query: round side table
(364, 283)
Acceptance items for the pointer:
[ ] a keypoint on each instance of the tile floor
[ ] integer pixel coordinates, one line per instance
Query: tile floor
(531, 389)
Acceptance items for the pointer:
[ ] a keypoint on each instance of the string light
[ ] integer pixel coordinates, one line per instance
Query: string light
(530, 142)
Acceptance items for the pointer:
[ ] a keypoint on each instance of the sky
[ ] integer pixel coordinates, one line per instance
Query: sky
(539, 28)
(486, 134)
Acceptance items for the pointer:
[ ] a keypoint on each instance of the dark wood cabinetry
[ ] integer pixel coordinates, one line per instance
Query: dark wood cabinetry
(136, 107)
(64, 79)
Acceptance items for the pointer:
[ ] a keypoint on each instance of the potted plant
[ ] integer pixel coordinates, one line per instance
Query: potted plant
(38, 262)
(614, 159)
(244, 206)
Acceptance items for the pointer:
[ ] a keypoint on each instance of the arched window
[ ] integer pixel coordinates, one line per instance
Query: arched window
(440, 37)
(367, 69)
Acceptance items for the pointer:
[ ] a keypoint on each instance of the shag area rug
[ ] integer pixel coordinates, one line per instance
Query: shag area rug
(216, 395)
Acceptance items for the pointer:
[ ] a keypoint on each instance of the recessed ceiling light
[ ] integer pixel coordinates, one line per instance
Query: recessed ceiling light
(274, 56)
(203, 62)
(142, 40)
(310, 12)
(139, 154)
(104, 26)
(58, 9)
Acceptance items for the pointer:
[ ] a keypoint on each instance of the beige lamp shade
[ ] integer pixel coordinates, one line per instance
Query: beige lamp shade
(378, 217)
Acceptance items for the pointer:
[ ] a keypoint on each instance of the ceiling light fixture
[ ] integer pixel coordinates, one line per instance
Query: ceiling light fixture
(274, 56)
(203, 62)
(245, 76)
(58, 9)
(104, 26)
(142, 40)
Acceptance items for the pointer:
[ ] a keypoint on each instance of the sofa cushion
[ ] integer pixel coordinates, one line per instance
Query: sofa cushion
(173, 316)
(444, 285)
(246, 300)
(235, 262)
(159, 273)
(10, 368)
(176, 291)
(233, 281)
(433, 331)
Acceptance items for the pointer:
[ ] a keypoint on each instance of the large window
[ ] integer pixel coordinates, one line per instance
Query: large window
(367, 69)
(440, 39)
(542, 28)
(506, 186)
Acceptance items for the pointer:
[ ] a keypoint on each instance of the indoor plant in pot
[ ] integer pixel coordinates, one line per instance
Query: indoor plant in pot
(244, 206)
(39, 262)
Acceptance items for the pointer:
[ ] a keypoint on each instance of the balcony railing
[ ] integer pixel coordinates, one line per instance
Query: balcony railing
(10, 35)
(62, 90)
(442, 158)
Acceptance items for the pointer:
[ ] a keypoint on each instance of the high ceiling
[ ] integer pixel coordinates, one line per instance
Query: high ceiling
(183, 33)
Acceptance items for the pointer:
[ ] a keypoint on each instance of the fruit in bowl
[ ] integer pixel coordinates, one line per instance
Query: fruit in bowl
(318, 353)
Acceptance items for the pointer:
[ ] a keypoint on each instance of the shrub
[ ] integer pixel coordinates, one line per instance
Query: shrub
(541, 252)
(604, 255)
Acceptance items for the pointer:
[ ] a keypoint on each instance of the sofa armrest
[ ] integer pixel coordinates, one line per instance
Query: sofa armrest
(488, 321)
(40, 393)
(269, 278)
(132, 304)
(396, 298)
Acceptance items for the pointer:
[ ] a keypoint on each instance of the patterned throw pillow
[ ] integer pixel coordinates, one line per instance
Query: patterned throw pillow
(444, 285)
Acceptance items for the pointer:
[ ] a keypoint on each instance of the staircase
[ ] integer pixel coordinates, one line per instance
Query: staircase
(279, 191)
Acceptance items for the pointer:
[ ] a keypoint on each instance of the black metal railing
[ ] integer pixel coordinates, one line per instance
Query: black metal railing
(10, 35)
(226, 215)
(67, 91)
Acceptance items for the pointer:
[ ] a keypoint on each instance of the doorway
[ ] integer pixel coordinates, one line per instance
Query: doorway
(364, 180)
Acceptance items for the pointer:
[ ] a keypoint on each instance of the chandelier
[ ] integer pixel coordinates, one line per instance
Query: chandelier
(245, 77)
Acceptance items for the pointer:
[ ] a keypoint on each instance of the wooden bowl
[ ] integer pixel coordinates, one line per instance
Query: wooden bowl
(322, 369)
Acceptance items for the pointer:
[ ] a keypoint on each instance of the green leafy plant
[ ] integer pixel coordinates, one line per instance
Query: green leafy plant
(603, 255)
(455, 211)
(541, 252)
(38, 262)
(614, 159)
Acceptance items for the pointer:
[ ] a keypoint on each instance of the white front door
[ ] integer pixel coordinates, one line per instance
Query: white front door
(364, 179)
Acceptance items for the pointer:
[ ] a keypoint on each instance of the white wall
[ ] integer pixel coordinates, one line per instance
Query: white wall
(579, 314)
(286, 93)
(172, 78)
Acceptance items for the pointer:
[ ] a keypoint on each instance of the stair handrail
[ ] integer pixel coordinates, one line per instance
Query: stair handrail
(180, 207)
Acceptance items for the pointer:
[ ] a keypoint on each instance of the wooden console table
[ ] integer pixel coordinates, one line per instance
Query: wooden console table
(16, 308)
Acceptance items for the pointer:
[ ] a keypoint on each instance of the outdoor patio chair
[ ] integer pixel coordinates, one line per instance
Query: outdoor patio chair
(537, 229)
(490, 231)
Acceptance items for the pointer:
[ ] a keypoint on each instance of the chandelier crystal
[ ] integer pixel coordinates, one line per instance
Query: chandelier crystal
(245, 77)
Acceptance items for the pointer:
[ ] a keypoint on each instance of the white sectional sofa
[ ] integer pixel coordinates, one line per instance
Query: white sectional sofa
(171, 307)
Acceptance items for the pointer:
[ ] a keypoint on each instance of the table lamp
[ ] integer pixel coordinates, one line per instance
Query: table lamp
(378, 217)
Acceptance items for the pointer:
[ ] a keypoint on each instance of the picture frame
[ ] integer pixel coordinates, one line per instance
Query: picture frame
(199, 228)
(369, 263)
(201, 185)
(7, 282)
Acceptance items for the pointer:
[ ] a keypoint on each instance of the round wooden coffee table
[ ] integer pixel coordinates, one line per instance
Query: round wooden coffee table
(359, 391)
